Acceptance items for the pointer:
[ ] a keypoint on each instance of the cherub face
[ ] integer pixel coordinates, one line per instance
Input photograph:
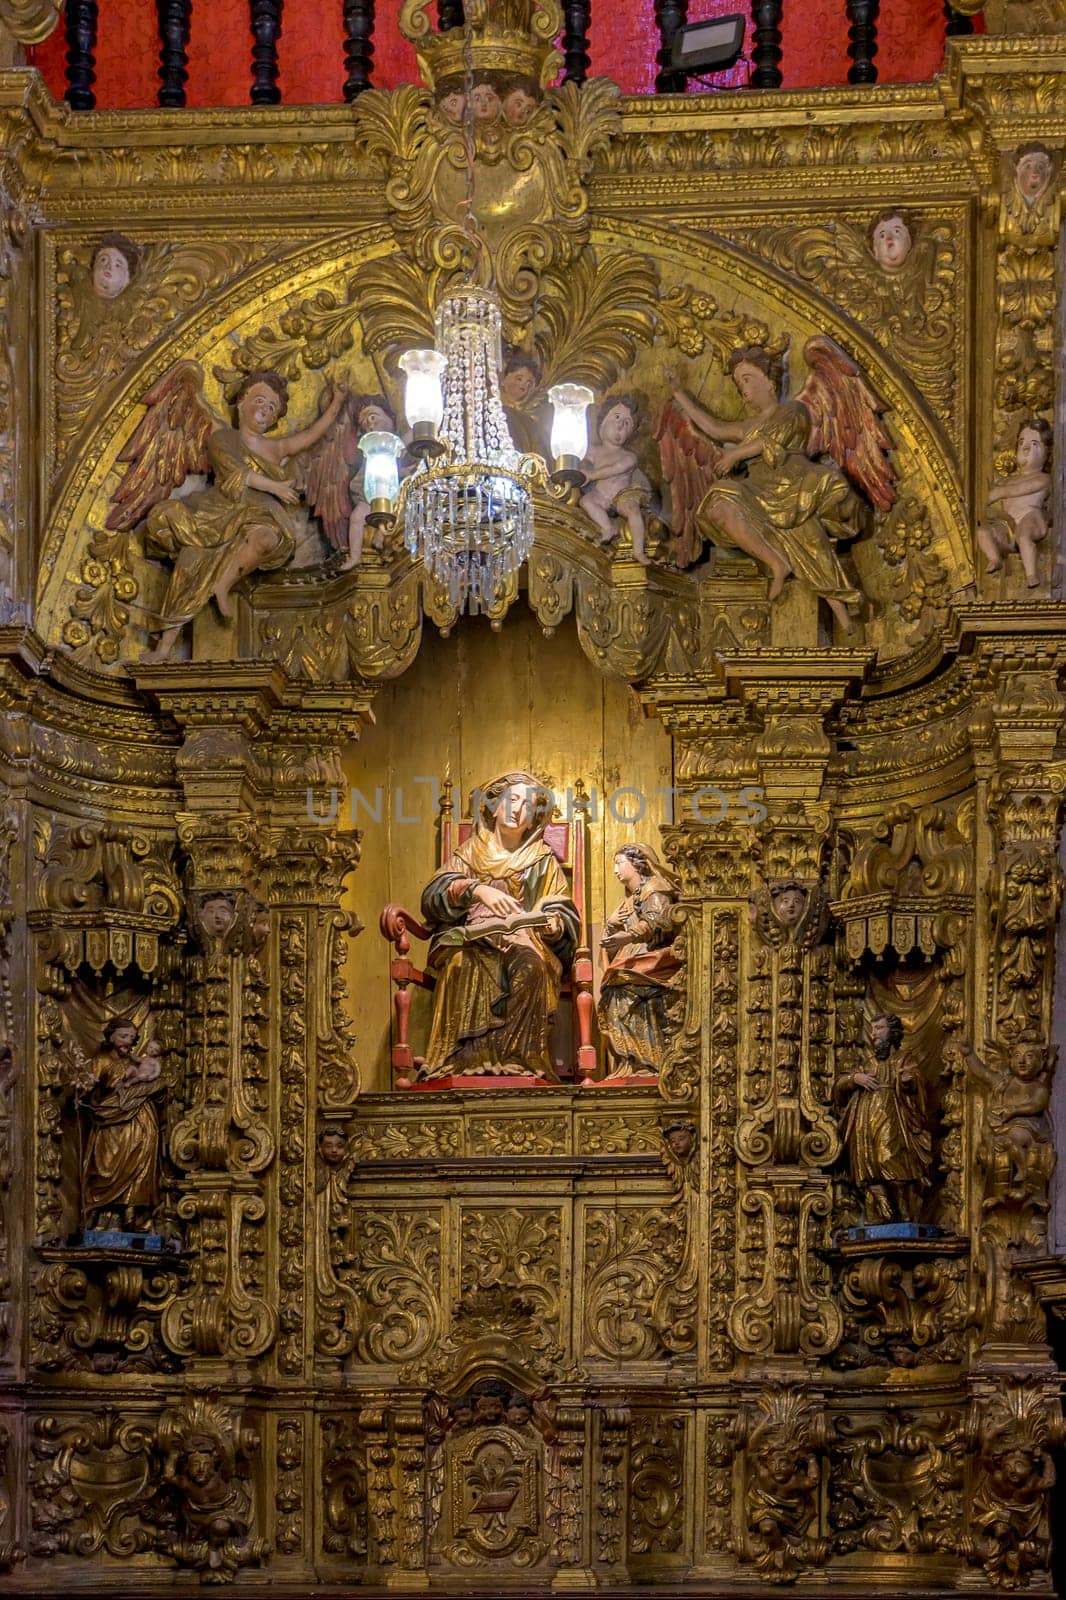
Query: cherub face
(891, 243)
(1031, 454)
(617, 426)
(452, 106)
(1017, 1467)
(485, 103)
(680, 1141)
(754, 386)
(333, 1147)
(200, 1466)
(373, 420)
(259, 408)
(1028, 1062)
(516, 385)
(789, 906)
(518, 106)
(111, 272)
(1032, 174)
(216, 915)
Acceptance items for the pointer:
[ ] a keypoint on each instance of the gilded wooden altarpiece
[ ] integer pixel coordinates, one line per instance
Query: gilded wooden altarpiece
(582, 1335)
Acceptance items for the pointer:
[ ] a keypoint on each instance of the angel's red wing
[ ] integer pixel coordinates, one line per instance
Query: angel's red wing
(327, 471)
(688, 467)
(169, 443)
(846, 420)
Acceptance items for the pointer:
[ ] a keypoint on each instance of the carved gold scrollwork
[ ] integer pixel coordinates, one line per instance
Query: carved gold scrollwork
(396, 1274)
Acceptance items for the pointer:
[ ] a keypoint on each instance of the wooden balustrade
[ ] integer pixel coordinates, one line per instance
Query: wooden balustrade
(576, 16)
(175, 21)
(266, 29)
(80, 25)
(358, 46)
(81, 22)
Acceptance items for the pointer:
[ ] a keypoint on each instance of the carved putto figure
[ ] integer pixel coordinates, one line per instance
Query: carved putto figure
(763, 493)
(206, 1453)
(1015, 1153)
(886, 1128)
(1016, 513)
(636, 943)
(330, 464)
(241, 523)
(783, 1482)
(616, 489)
(498, 983)
(120, 1166)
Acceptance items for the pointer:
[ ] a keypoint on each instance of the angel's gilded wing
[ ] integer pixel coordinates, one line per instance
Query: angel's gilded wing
(169, 443)
(326, 471)
(846, 420)
(688, 467)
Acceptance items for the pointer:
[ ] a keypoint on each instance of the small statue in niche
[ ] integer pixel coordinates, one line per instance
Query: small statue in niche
(1016, 512)
(114, 263)
(637, 940)
(763, 493)
(120, 1167)
(891, 241)
(243, 522)
(498, 984)
(616, 489)
(886, 1127)
(1015, 1153)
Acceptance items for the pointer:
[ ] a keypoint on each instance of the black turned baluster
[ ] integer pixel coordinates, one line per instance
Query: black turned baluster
(266, 26)
(862, 40)
(956, 25)
(670, 15)
(358, 45)
(576, 40)
(174, 18)
(766, 45)
(80, 19)
(449, 14)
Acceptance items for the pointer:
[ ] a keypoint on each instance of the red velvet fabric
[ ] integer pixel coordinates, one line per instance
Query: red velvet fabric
(623, 45)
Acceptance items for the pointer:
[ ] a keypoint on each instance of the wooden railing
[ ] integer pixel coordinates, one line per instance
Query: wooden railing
(265, 17)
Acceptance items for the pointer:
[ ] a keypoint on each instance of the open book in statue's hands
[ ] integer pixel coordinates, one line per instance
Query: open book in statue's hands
(488, 927)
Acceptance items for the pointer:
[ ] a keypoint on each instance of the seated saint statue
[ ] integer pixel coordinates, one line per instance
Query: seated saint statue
(637, 940)
(497, 989)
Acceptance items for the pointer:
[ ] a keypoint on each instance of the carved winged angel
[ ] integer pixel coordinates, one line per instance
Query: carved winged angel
(764, 493)
(244, 520)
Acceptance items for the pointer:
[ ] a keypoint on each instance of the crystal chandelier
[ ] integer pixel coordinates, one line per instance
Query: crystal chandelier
(467, 509)
(468, 512)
